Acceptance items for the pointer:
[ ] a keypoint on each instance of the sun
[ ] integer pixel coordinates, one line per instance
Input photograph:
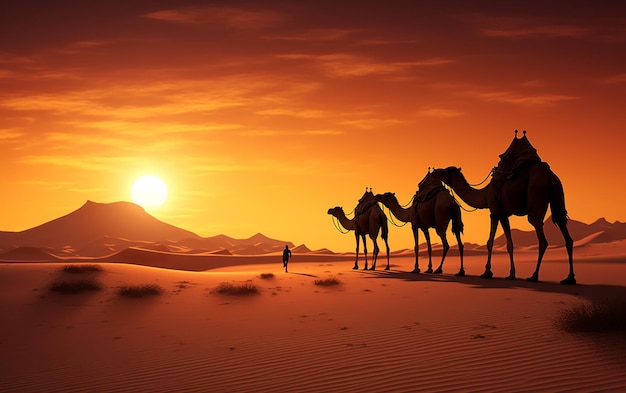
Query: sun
(149, 191)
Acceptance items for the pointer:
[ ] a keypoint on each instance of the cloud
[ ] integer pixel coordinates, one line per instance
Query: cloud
(304, 113)
(439, 112)
(529, 96)
(10, 135)
(526, 100)
(315, 35)
(80, 162)
(46, 184)
(528, 27)
(219, 17)
(615, 79)
(530, 31)
(342, 64)
(371, 123)
(322, 132)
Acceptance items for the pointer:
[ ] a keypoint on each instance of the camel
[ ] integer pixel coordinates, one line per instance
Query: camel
(527, 192)
(436, 210)
(369, 222)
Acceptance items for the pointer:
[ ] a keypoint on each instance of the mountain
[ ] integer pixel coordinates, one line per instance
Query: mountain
(100, 229)
(96, 222)
(600, 231)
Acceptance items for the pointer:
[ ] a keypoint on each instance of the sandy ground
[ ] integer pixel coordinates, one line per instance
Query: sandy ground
(375, 331)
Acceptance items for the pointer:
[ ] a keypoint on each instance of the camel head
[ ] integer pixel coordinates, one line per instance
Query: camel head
(384, 198)
(335, 211)
(446, 174)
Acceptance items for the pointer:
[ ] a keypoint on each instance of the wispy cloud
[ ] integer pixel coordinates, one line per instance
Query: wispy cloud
(322, 132)
(303, 113)
(343, 64)
(521, 99)
(530, 31)
(47, 184)
(315, 35)
(239, 18)
(439, 112)
(371, 123)
(615, 79)
(10, 135)
(526, 95)
(527, 27)
(82, 162)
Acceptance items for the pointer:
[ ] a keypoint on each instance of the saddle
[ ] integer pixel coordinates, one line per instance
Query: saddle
(427, 188)
(517, 158)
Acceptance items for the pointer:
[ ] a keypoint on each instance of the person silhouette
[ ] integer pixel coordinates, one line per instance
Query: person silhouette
(286, 256)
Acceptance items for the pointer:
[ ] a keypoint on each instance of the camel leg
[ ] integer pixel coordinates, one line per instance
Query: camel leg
(569, 245)
(430, 250)
(461, 272)
(387, 247)
(506, 226)
(446, 247)
(492, 234)
(364, 250)
(356, 261)
(543, 245)
(416, 236)
(375, 253)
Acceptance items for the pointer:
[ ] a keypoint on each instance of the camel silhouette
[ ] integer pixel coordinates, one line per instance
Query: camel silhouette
(431, 207)
(518, 187)
(371, 222)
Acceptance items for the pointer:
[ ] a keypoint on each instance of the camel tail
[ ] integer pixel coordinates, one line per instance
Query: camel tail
(457, 222)
(557, 201)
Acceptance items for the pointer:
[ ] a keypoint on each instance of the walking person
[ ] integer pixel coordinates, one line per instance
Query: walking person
(286, 256)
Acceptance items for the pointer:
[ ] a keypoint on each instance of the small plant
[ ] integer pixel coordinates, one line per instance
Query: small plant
(599, 315)
(79, 269)
(73, 287)
(327, 282)
(267, 276)
(139, 291)
(244, 289)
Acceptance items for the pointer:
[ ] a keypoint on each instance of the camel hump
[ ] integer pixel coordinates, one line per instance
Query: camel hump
(516, 159)
(365, 202)
(428, 187)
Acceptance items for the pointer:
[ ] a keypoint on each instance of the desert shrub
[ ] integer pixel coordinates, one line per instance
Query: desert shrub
(243, 289)
(138, 291)
(327, 282)
(78, 269)
(598, 315)
(267, 276)
(76, 286)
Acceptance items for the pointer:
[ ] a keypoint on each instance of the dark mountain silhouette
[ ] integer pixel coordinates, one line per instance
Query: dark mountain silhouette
(95, 225)
(600, 231)
(100, 229)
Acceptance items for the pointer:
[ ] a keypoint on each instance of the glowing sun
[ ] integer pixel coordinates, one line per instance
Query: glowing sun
(149, 191)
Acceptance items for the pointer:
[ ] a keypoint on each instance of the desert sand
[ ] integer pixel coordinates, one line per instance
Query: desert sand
(374, 331)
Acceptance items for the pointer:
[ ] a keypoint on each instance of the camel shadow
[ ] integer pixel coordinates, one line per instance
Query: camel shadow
(587, 291)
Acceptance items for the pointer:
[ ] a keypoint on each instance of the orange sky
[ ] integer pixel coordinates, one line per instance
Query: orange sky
(262, 115)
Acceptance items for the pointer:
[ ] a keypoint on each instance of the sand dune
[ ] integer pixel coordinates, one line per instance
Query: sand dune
(375, 331)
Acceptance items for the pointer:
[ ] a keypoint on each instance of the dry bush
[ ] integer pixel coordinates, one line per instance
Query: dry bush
(243, 289)
(77, 286)
(267, 276)
(139, 291)
(327, 282)
(79, 269)
(598, 315)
